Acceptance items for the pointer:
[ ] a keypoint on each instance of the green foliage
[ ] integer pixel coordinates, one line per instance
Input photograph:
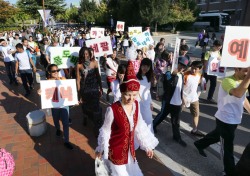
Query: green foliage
(32, 6)
(87, 10)
(70, 15)
(180, 12)
(7, 11)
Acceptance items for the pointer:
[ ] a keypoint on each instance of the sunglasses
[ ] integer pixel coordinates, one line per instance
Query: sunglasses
(54, 71)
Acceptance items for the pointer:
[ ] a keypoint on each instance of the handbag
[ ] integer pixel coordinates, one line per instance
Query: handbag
(100, 168)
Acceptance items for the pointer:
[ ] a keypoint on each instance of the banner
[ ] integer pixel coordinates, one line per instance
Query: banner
(120, 26)
(58, 93)
(176, 54)
(134, 31)
(47, 15)
(143, 39)
(64, 57)
(101, 46)
(214, 68)
(236, 47)
(96, 32)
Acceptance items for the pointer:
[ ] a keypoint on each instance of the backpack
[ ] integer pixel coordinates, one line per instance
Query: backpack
(7, 163)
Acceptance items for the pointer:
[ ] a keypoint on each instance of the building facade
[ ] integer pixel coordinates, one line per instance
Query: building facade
(239, 10)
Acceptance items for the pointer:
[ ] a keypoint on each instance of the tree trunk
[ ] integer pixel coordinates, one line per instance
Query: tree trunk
(156, 26)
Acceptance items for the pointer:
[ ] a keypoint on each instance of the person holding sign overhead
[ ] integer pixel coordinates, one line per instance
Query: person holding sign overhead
(209, 55)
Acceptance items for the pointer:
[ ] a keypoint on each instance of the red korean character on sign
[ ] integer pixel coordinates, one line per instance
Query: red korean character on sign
(95, 47)
(94, 33)
(239, 48)
(119, 26)
(104, 46)
(66, 93)
(52, 93)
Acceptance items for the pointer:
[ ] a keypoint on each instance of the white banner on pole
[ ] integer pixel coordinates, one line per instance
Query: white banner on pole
(58, 93)
(214, 68)
(64, 57)
(47, 15)
(236, 47)
(176, 54)
(143, 39)
(134, 31)
(101, 46)
(96, 32)
(120, 26)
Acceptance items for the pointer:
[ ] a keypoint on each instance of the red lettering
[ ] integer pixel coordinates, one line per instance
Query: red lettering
(239, 48)
(95, 48)
(104, 46)
(66, 93)
(52, 93)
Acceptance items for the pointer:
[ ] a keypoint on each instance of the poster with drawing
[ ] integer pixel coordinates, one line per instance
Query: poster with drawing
(58, 93)
(214, 68)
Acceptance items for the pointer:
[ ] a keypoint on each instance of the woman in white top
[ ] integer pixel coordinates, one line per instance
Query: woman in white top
(145, 76)
(115, 85)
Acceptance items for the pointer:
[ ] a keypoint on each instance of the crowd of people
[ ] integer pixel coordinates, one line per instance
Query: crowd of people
(129, 122)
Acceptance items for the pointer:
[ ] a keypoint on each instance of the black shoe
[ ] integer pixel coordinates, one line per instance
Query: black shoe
(68, 145)
(201, 151)
(58, 133)
(211, 100)
(70, 121)
(197, 133)
(181, 142)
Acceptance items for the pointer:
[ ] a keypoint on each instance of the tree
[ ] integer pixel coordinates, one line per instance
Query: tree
(32, 6)
(70, 15)
(179, 12)
(87, 10)
(154, 11)
(7, 11)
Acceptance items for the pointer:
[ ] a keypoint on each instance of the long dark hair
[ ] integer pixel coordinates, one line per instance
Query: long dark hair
(92, 56)
(82, 58)
(149, 74)
(121, 70)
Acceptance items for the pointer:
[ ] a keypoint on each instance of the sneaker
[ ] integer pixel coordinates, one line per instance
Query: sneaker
(212, 101)
(197, 133)
(181, 142)
(70, 121)
(201, 151)
(58, 133)
(68, 145)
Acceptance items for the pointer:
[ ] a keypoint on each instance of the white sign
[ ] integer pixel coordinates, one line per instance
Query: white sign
(120, 26)
(58, 93)
(236, 47)
(64, 57)
(96, 32)
(142, 40)
(100, 46)
(134, 31)
(47, 16)
(214, 68)
(176, 54)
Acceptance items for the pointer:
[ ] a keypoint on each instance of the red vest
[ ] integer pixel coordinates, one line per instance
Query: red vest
(121, 139)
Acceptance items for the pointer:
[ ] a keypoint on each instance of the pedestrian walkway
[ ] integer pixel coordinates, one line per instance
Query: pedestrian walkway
(46, 155)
